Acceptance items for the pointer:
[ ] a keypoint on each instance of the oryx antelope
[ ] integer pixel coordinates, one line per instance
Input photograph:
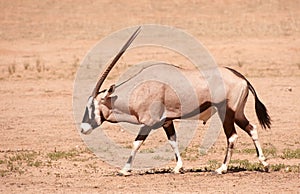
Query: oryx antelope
(147, 99)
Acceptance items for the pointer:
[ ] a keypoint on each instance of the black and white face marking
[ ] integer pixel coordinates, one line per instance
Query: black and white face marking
(91, 118)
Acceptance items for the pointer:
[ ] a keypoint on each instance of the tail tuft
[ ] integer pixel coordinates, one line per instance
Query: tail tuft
(262, 114)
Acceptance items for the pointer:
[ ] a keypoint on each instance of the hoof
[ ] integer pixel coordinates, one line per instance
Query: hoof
(178, 171)
(221, 170)
(124, 173)
(267, 168)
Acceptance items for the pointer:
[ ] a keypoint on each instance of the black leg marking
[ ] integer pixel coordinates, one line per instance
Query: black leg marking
(170, 130)
(171, 134)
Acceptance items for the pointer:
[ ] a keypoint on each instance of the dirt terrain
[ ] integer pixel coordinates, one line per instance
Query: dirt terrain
(42, 44)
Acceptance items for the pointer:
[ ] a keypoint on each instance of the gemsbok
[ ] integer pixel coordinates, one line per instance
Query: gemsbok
(148, 99)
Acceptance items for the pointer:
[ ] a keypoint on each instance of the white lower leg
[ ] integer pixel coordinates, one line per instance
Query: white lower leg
(174, 145)
(231, 141)
(260, 154)
(127, 168)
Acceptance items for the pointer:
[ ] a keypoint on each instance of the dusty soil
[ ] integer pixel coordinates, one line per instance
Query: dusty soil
(42, 44)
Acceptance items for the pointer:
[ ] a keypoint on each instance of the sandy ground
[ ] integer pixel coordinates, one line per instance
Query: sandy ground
(42, 44)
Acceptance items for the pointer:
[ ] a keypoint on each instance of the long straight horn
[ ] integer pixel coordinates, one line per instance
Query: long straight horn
(117, 57)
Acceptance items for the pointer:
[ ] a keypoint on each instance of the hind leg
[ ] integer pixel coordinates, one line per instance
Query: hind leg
(251, 130)
(231, 136)
(171, 134)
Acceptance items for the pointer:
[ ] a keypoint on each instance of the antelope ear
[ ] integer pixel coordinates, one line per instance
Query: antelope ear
(108, 92)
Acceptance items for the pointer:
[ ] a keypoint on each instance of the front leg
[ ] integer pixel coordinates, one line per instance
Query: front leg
(141, 137)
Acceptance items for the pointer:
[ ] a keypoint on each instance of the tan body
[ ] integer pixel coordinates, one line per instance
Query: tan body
(151, 96)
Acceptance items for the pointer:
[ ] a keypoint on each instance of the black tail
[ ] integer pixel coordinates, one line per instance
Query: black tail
(260, 109)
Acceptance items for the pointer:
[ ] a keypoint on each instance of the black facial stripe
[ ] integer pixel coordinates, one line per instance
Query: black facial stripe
(89, 115)
(93, 111)
(86, 117)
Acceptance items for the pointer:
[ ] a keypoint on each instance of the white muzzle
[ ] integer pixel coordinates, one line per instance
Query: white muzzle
(86, 128)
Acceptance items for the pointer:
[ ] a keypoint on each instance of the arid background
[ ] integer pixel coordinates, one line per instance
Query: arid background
(42, 44)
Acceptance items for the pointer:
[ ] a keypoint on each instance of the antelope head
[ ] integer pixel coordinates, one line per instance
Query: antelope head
(96, 107)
